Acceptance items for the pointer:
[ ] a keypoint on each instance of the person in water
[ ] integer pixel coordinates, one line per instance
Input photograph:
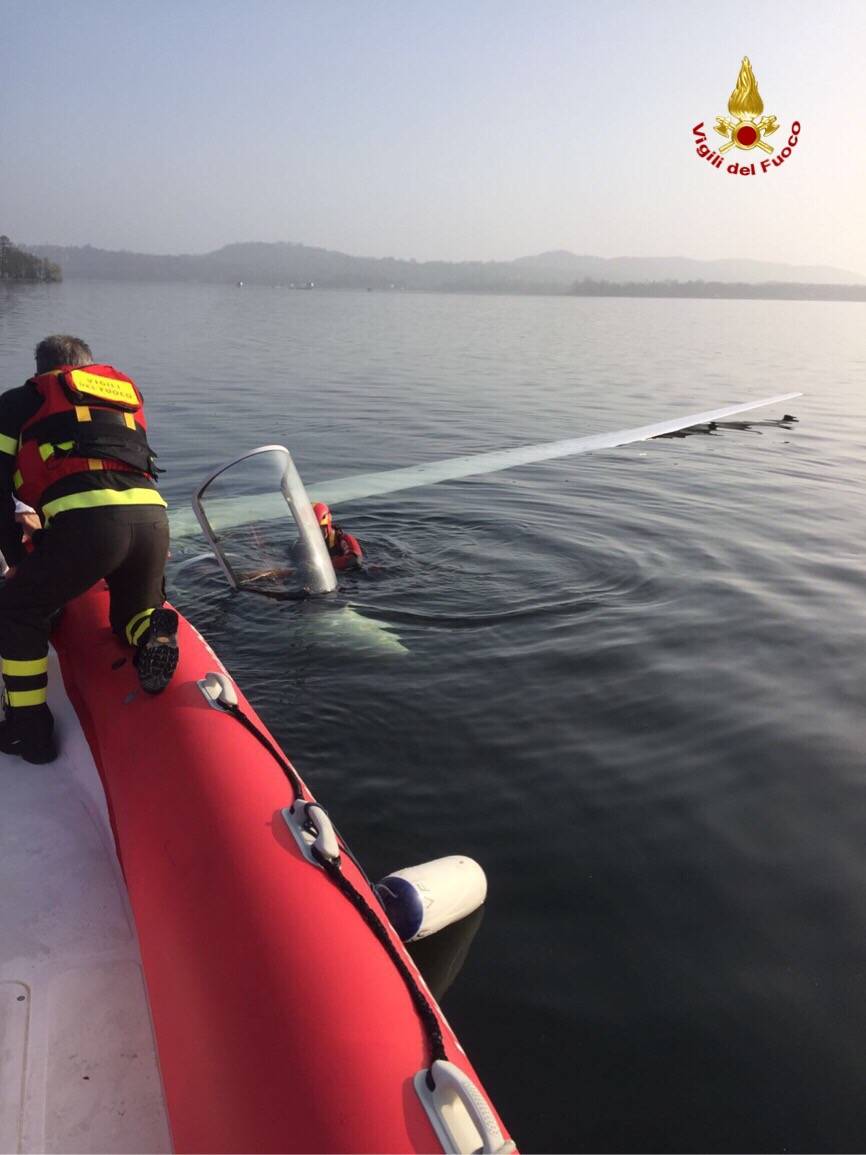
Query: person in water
(345, 550)
(73, 446)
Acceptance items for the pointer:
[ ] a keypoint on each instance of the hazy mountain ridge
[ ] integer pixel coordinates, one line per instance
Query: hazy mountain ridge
(286, 263)
(733, 269)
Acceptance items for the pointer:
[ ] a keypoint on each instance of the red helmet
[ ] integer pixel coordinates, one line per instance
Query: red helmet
(323, 516)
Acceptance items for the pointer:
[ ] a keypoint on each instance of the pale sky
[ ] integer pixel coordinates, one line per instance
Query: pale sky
(467, 130)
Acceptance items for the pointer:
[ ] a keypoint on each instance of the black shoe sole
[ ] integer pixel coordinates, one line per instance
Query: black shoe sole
(157, 658)
(36, 756)
(28, 732)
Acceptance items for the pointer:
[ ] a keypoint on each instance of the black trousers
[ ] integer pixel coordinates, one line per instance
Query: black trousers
(126, 545)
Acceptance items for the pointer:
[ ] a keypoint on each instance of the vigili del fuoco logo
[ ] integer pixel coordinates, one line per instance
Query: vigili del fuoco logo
(745, 132)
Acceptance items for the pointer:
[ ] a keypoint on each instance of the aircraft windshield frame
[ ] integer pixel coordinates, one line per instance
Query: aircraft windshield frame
(318, 571)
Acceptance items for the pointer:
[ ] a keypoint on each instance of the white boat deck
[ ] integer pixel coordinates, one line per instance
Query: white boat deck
(78, 1069)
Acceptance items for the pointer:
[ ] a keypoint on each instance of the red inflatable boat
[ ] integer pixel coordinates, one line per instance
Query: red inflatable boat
(286, 1012)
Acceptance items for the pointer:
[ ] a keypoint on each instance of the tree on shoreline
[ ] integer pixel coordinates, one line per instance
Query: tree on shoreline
(17, 265)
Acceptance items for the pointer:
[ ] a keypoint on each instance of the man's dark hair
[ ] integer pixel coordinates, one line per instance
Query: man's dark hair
(52, 352)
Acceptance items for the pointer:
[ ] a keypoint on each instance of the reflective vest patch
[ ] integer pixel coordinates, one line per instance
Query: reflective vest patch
(90, 418)
(119, 390)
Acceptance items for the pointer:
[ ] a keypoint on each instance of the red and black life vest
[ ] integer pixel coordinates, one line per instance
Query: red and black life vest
(346, 552)
(91, 417)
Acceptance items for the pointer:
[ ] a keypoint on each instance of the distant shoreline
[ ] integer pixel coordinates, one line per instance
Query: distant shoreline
(722, 290)
(671, 290)
(287, 265)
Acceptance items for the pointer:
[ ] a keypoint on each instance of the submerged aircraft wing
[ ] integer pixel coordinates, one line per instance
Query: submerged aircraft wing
(237, 510)
(391, 480)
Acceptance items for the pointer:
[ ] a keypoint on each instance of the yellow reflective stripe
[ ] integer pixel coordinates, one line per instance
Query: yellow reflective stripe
(137, 625)
(130, 420)
(48, 449)
(8, 444)
(95, 463)
(19, 668)
(93, 498)
(17, 479)
(143, 628)
(82, 413)
(27, 697)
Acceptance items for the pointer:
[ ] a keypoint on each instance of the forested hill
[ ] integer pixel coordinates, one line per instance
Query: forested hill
(299, 266)
(18, 265)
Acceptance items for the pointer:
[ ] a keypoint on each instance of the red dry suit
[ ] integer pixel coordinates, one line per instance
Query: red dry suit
(346, 552)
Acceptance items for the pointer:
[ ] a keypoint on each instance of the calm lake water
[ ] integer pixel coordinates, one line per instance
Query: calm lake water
(634, 687)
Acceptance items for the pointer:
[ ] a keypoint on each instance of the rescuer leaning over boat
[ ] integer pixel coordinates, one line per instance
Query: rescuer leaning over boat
(73, 444)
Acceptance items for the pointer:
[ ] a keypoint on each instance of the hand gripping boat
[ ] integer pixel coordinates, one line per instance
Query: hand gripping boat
(287, 1015)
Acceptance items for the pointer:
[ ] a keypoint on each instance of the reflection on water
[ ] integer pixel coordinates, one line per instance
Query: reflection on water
(440, 957)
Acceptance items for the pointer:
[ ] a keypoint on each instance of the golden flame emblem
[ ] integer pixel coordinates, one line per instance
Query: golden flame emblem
(745, 130)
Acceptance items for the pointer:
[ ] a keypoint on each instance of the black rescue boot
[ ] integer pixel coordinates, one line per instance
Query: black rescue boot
(156, 657)
(28, 731)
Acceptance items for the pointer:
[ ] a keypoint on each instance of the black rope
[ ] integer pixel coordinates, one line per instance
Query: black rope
(427, 1015)
(422, 1005)
(291, 774)
(286, 768)
(277, 595)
